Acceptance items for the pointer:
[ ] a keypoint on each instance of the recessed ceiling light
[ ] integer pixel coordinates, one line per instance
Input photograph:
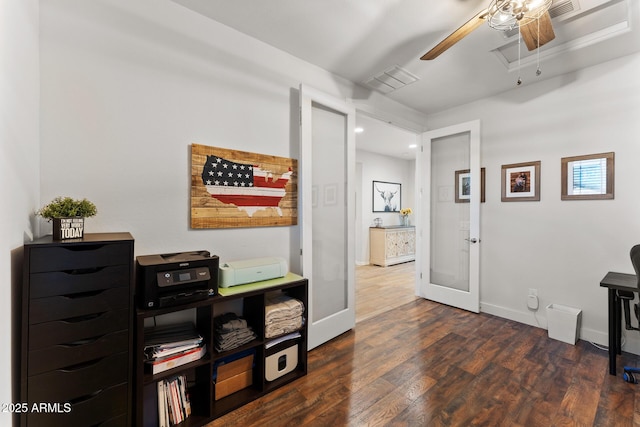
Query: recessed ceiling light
(413, 145)
(359, 130)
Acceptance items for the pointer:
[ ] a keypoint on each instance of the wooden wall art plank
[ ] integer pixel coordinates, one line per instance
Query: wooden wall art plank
(233, 189)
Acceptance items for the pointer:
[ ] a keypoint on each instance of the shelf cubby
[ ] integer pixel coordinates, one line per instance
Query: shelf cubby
(252, 300)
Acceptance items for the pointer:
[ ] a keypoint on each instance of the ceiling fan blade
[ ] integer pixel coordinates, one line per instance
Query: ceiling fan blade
(529, 32)
(456, 36)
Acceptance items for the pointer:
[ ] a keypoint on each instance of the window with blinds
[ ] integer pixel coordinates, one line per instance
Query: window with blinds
(587, 177)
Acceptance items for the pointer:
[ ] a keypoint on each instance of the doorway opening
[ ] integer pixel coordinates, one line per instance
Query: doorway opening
(384, 153)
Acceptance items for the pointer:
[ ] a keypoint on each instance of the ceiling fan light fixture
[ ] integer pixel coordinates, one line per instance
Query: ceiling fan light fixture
(505, 15)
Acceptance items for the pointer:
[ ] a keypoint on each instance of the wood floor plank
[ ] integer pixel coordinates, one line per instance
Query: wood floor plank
(580, 401)
(519, 348)
(313, 406)
(375, 284)
(427, 364)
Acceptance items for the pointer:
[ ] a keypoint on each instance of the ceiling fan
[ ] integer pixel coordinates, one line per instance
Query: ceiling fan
(530, 16)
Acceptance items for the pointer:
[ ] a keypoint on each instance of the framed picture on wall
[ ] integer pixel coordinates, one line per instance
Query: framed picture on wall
(521, 182)
(588, 177)
(463, 186)
(386, 196)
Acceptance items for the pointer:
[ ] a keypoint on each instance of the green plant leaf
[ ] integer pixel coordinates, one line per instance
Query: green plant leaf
(64, 207)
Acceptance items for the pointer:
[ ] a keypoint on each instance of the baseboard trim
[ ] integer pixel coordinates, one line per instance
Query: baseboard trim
(539, 320)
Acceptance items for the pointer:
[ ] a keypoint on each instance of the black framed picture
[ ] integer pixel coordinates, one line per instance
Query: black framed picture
(386, 196)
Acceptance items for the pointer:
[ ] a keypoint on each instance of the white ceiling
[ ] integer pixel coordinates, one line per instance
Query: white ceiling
(383, 138)
(357, 39)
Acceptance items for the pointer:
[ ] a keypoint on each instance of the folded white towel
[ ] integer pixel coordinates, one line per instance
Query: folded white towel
(281, 306)
(275, 329)
(283, 314)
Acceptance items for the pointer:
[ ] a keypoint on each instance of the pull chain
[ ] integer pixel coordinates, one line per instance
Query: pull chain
(519, 82)
(538, 71)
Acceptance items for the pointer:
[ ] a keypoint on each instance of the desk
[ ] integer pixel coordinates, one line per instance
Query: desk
(614, 282)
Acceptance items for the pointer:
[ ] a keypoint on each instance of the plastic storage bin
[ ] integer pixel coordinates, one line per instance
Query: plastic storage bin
(281, 363)
(563, 323)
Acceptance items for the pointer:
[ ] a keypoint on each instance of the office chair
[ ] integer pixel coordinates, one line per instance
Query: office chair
(626, 296)
(628, 374)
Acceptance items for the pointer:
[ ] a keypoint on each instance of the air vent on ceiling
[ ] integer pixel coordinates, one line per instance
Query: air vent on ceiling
(558, 8)
(562, 7)
(392, 79)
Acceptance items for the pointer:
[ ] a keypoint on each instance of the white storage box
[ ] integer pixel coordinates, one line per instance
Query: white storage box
(563, 323)
(281, 363)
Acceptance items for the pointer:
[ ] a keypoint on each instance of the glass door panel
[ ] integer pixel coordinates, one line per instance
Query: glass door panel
(449, 250)
(449, 214)
(327, 153)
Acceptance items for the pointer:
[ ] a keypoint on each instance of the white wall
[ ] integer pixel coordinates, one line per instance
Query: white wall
(127, 86)
(561, 248)
(19, 164)
(376, 167)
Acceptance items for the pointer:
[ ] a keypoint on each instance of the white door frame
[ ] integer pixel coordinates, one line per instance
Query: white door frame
(467, 300)
(323, 330)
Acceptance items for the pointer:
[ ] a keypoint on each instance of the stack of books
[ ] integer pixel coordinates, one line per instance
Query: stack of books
(169, 346)
(173, 401)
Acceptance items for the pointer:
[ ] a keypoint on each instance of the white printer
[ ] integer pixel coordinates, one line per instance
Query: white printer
(235, 273)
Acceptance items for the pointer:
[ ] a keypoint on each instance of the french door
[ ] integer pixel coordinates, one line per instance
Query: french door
(327, 165)
(449, 166)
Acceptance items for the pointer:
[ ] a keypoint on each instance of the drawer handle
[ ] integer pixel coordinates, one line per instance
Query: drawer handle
(85, 397)
(80, 366)
(81, 271)
(83, 248)
(87, 294)
(81, 342)
(84, 318)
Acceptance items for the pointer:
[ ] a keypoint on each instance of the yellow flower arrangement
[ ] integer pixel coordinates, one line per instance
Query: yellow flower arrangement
(406, 211)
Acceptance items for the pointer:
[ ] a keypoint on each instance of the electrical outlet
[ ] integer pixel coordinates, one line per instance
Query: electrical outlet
(533, 292)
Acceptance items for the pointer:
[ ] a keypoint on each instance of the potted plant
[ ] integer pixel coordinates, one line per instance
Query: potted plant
(67, 216)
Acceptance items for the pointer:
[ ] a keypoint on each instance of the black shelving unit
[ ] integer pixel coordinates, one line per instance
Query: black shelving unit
(201, 388)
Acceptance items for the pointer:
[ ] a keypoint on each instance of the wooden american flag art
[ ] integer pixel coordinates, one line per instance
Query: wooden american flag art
(231, 189)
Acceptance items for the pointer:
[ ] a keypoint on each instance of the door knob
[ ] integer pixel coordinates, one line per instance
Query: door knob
(472, 240)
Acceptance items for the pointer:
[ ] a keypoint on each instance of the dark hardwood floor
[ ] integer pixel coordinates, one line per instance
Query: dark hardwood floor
(427, 364)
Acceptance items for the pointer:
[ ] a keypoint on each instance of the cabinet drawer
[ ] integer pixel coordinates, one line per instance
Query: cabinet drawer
(76, 281)
(66, 356)
(72, 257)
(75, 305)
(64, 385)
(118, 421)
(93, 410)
(63, 331)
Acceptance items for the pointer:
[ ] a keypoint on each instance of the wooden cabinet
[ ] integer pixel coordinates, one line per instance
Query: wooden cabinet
(392, 245)
(76, 336)
(250, 301)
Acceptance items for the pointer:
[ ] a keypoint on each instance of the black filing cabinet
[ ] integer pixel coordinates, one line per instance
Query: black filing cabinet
(77, 334)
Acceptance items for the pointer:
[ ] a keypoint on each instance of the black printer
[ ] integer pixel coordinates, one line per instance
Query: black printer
(165, 280)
